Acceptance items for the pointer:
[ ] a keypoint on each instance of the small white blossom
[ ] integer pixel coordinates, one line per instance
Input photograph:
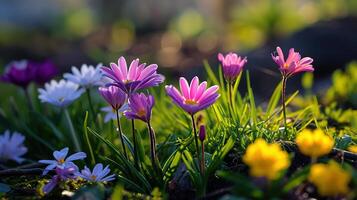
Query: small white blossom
(60, 93)
(12, 147)
(88, 76)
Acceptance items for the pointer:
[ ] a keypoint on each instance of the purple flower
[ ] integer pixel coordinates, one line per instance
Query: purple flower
(140, 107)
(61, 160)
(22, 73)
(97, 175)
(293, 64)
(12, 147)
(44, 71)
(137, 77)
(113, 95)
(193, 97)
(62, 174)
(19, 73)
(232, 65)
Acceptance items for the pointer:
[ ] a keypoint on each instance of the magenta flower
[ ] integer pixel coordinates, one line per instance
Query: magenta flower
(140, 107)
(232, 65)
(113, 95)
(293, 64)
(193, 97)
(19, 73)
(137, 77)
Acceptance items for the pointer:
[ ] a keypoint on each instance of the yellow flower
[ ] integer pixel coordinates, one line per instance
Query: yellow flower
(352, 148)
(330, 179)
(266, 160)
(314, 143)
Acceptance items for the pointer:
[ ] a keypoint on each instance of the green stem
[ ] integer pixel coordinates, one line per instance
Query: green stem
(135, 147)
(90, 104)
(230, 98)
(28, 97)
(121, 134)
(283, 101)
(152, 146)
(72, 131)
(195, 137)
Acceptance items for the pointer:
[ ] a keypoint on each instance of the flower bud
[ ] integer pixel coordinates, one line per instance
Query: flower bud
(202, 133)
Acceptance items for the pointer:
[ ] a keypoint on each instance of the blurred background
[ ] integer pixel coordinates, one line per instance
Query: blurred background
(179, 35)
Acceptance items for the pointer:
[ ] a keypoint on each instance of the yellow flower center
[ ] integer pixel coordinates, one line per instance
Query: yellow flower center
(190, 102)
(93, 177)
(61, 161)
(286, 65)
(142, 113)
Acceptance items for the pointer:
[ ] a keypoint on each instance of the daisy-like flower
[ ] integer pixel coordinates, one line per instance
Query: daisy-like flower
(97, 175)
(137, 77)
(61, 161)
(110, 113)
(60, 93)
(88, 76)
(62, 174)
(232, 65)
(12, 147)
(113, 95)
(194, 97)
(293, 64)
(140, 107)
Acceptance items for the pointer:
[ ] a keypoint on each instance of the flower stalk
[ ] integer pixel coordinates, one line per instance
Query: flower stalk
(136, 163)
(283, 96)
(121, 134)
(153, 156)
(72, 131)
(90, 104)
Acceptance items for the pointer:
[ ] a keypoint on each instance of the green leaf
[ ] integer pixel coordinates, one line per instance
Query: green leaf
(210, 73)
(274, 100)
(85, 130)
(253, 111)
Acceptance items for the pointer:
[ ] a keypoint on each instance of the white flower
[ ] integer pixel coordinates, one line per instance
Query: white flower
(12, 147)
(87, 76)
(60, 93)
(110, 112)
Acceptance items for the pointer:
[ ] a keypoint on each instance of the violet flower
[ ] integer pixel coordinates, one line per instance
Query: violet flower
(12, 147)
(61, 161)
(232, 65)
(194, 97)
(19, 73)
(113, 95)
(137, 77)
(140, 107)
(293, 64)
(62, 174)
(97, 175)
(44, 71)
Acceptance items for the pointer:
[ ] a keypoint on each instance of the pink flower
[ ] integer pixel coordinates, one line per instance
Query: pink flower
(195, 97)
(232, 65)
(113, 95)
(140, 107)
(137, 77)
(293, 64)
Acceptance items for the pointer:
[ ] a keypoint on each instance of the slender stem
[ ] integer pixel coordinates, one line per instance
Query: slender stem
(230, 97)
(196, 138)
(29, 101)
(195, 134)
(283, 101)
(90, 104)
(135, 147)
(121, 134)
(202, 158)
(152, 145)
(72, 131)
